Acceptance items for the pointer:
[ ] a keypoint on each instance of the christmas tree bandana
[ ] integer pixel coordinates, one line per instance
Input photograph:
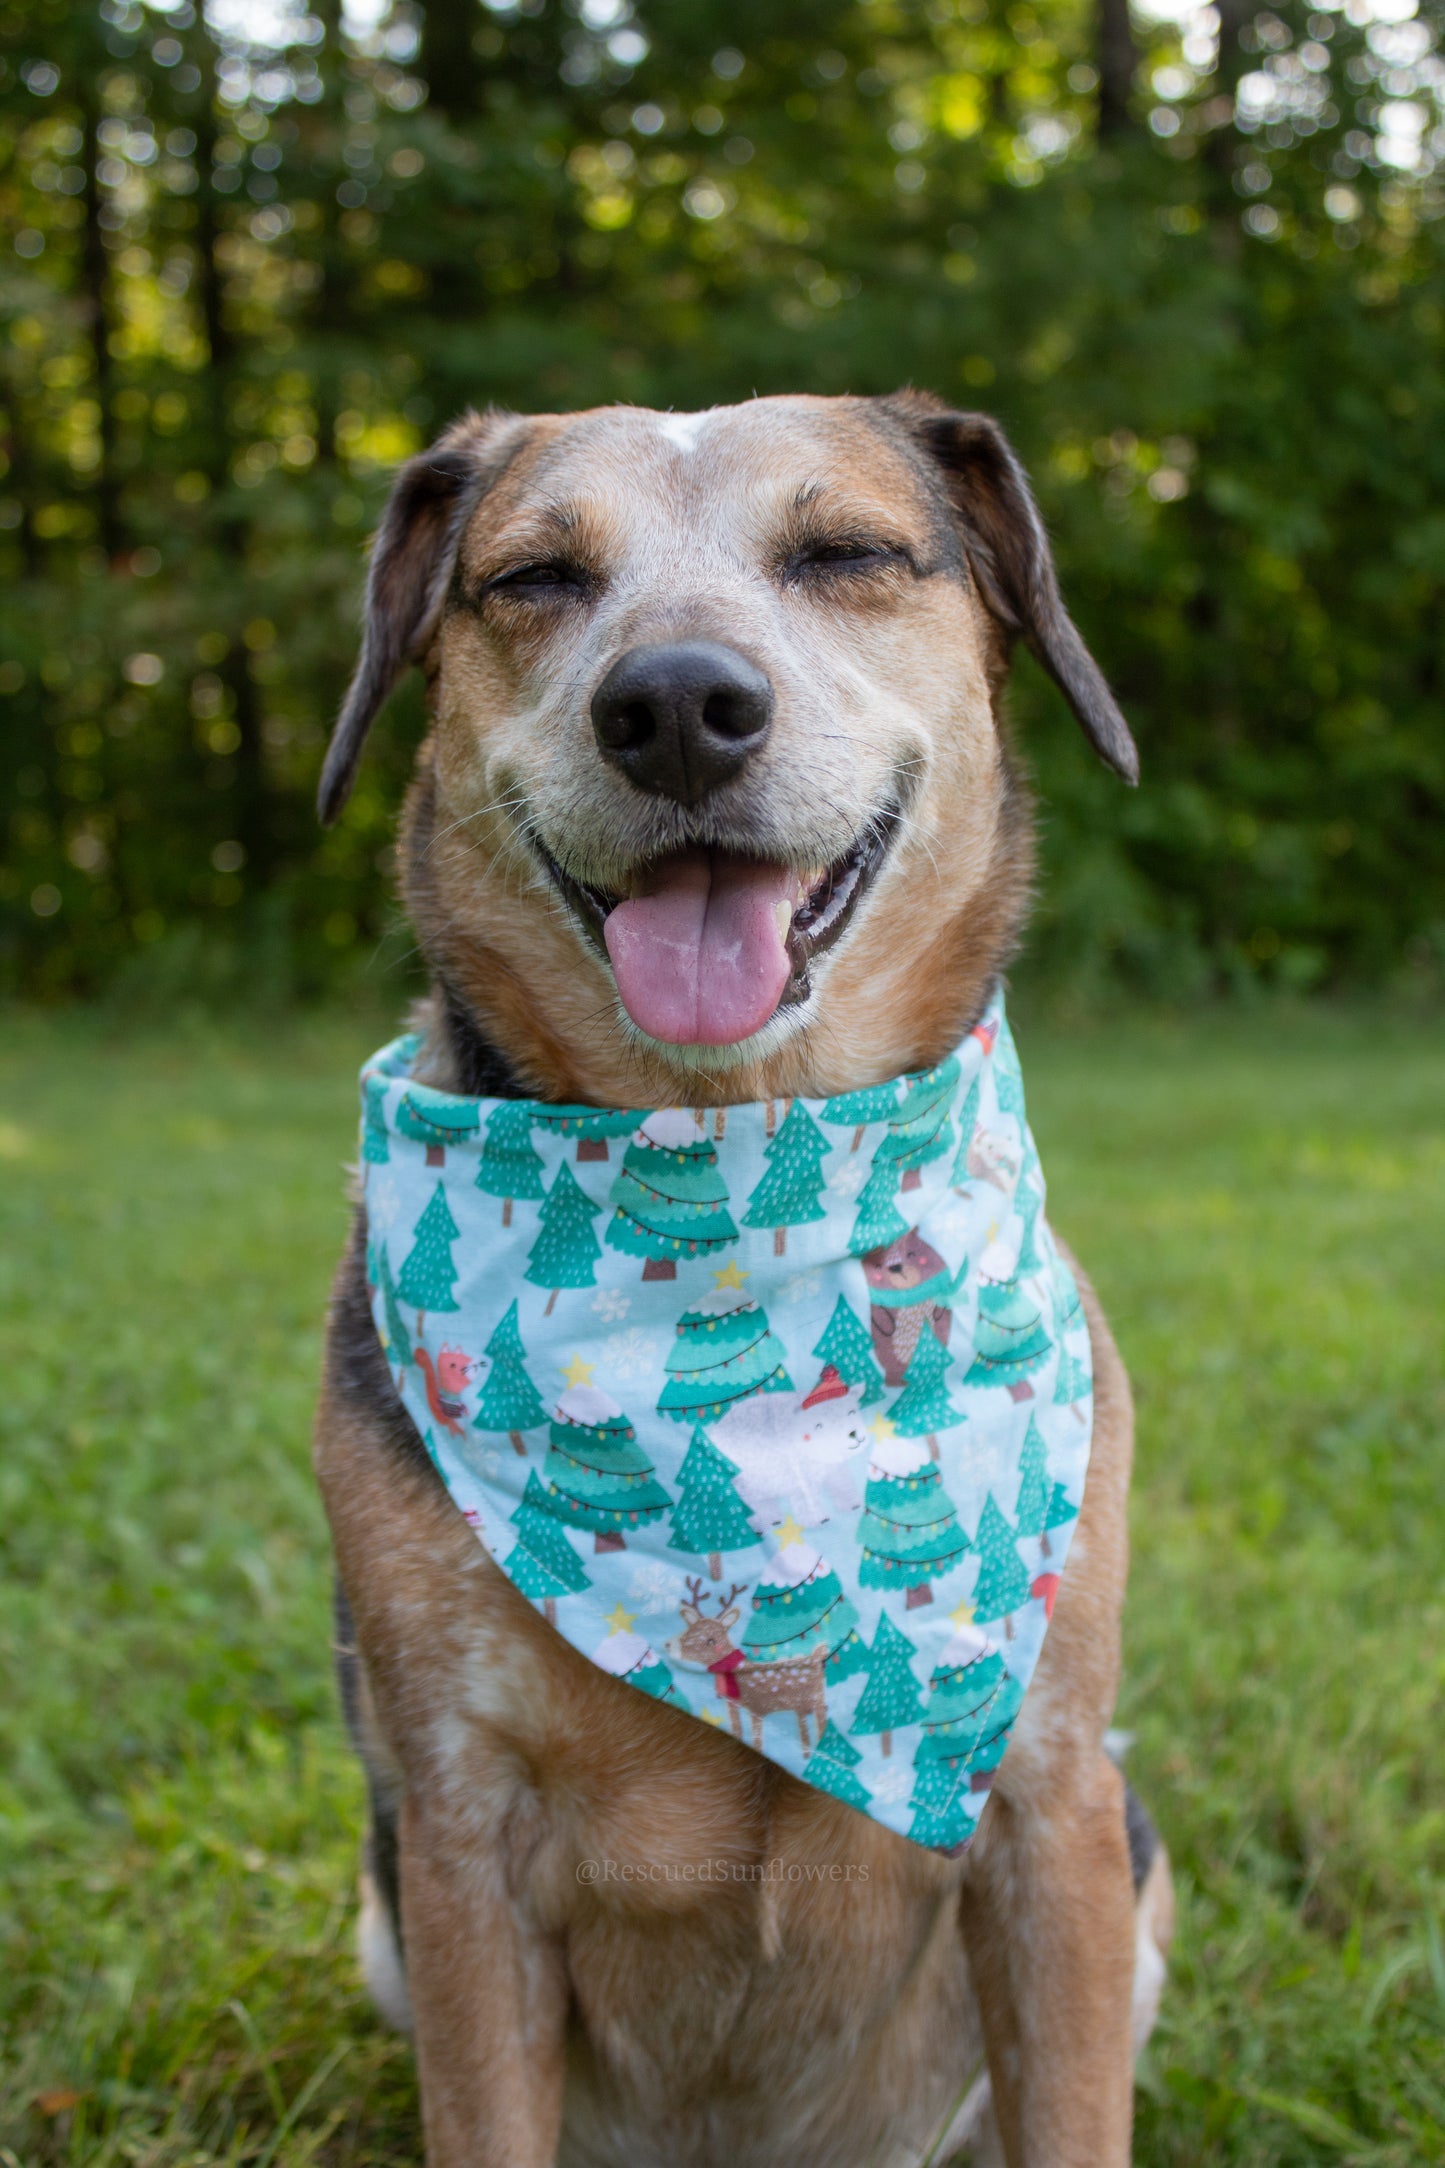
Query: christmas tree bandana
(779, 1412)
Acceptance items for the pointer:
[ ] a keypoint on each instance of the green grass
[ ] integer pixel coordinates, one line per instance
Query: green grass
(1260, 1200)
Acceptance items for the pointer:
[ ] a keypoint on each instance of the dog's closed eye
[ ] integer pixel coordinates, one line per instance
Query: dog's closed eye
(843, 556)
(551, 580)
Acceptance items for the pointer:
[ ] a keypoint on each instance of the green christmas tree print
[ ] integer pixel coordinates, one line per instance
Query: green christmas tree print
(544, 1565)
(1002, 1583)
(873, 1104)
(566, 1251)
(891, 1699)
(1009, 1341)
(923, 1408)
(966, 1686)
(627, 1656)
(967, 1123)
(1028, 1204)
(508, 1166)
(709, 1517)
(428, 1276)
(374, 1147)
(373, 1270)
(591, 1126)
(436, 1120)
(798, 1606)
(1029, 1515)
(1059, 1512)
(908, 1534)
(848, 1346)
(398, 1346)
(597, 1475)
(724, 1349)
(879, 1220)
(1008, 1076)
(921, 1128)
(1074, 1380)
(994, 1737)
(509, 1401)
(830, 1769)
(788, 1194)
(669, 1199)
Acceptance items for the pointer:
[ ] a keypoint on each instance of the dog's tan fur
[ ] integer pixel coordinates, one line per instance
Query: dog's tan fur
(697, 2006)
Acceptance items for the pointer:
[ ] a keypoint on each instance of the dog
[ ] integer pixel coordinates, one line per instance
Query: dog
(753, 657)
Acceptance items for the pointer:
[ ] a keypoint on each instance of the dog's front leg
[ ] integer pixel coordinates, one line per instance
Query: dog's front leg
(490, 2002)
(1048, 1920)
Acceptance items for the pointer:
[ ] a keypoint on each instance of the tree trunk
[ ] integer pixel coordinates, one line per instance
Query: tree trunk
(251, 807)
(1117, 57)
(95, 279)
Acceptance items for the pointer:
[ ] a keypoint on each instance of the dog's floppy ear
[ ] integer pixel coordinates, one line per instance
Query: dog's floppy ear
(1008, 553)
(412, 556)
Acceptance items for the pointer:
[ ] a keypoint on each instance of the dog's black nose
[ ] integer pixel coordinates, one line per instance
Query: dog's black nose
(681, 718)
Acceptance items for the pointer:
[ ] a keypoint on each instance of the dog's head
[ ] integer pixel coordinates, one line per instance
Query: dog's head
(714, 723)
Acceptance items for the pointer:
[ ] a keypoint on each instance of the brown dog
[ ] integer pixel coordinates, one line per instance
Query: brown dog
(751, 658)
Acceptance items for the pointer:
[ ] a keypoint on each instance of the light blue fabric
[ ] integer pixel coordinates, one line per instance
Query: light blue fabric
(780, 1413)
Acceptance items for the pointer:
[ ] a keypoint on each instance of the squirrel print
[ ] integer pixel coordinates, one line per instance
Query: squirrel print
(446, 1380)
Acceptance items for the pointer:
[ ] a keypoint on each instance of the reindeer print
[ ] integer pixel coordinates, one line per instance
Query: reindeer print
(791, 1684)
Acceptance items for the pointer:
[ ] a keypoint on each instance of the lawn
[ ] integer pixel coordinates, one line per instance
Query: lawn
(1260, 1199)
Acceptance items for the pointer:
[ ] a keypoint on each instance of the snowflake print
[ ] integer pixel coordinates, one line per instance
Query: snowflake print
(653, 1587)
(611, 1305)
(382, 1202)
(486, 1460)
(847, 1180)
(630, 1354)
(894, 1783)
(801, 1286)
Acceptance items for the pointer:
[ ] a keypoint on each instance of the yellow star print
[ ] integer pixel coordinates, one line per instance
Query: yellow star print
(963, 1616)
(882, 1428)
(715, 1717)
(579, 1373)
(729, 1275)
(620, 1621)
(788, 1532)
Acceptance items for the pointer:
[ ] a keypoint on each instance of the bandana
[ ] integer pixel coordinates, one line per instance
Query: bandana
(779, 1412)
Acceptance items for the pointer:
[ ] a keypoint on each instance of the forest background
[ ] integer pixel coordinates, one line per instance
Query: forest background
(255, 255)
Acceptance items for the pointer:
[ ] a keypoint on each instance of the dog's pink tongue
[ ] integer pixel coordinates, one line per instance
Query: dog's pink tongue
(700, 959)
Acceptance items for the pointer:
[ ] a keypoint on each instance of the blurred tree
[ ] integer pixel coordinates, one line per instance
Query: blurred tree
(1193, 262)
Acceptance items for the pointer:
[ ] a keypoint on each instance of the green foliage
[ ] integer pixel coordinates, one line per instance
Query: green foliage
(1259, 1203)
(244, 283)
